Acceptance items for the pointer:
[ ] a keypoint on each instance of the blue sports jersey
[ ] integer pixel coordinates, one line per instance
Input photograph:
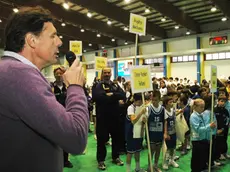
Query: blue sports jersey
(156, 124)
(171, 123)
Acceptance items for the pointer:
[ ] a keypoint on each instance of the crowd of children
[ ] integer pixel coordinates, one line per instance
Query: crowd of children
(171, 99)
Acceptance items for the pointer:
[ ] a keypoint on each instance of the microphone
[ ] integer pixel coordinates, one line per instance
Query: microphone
(70, 57)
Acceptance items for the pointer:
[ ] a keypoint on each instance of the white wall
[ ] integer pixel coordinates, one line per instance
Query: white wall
(89, 57)
(110, 54)
(222, 68)
(182, 45)
(185, 69)
(152, 48)
(91, 72)
(125, 52)
(91, 75)
(1, 52)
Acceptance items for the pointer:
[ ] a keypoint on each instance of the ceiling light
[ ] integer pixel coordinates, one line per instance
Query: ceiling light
(126, 28)
(127, 1)
(90, 44)
(102, 47)
(82, 30)
(60, 37)
(152, 38)
(113, 40)
(147, 10)
(109, 22)
(98, 35)
(65, 5)
(84, 51)
(176, 27)
(15, 10)
(89, 14)
(126, 42)
(163, 19)
(187, 33)
(224, 19)
(0, 21)
(213, 9)
(63, 24)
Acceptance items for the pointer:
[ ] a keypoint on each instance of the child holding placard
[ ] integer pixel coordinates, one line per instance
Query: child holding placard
(156, 117)
(134, 132)
(169, 131)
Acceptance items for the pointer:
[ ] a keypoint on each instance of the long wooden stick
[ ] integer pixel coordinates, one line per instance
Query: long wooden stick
(136, 43)
(148, 141)
(210, 149)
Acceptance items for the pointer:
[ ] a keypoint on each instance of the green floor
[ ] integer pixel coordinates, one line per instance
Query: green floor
(87, 162)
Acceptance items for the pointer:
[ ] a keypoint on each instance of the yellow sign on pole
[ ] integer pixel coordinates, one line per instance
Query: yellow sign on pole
(141, 79)
(55, 66)
(100, 63)
(213, 79)
(76, 47)
(137, 24)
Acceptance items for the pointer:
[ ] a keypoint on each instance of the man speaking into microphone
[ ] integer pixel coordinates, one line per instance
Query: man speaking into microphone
(34, 127)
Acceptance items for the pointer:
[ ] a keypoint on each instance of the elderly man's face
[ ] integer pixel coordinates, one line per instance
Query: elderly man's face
(58, 75)
(47, 44)
(106, 74)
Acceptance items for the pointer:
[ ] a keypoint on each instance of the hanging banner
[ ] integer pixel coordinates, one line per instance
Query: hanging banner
(213, 79)
(100, 63)
(76, 47)
(141, 79)
(137, 24)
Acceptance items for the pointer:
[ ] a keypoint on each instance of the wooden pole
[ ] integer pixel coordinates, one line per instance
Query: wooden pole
(136, 43)
(148, 141)
(210, 149)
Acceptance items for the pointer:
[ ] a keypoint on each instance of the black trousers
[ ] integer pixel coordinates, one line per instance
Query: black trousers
(225, 144)
(213, 149)
(122, 141)
(220, 146)
(66, 157)
(105, 127)
(200, 155)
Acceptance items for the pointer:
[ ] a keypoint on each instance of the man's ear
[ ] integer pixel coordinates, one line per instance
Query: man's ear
(30, 40)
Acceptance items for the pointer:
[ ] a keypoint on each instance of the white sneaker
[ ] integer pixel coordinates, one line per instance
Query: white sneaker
(222, 157)
(173, 163)
(227, 156)
(156, 169)
(188, 147)
(217, 163)
(165, 166)
(176, 158)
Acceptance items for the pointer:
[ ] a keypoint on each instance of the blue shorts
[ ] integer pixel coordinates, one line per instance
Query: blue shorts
(134, 145)
(171, 144)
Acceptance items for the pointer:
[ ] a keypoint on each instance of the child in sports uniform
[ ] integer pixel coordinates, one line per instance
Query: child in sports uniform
(169, 131)
(156, 118)
(134, 145)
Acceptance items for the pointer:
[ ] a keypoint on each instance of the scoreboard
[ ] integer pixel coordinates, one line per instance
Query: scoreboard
(218, 40)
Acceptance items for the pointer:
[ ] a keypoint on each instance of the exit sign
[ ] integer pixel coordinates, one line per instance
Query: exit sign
(218, 40)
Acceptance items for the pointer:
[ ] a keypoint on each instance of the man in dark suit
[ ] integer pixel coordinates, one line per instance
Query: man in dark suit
(107, 95)
(59, 89)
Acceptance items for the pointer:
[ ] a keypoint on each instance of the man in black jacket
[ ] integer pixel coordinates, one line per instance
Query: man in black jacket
(222, 117)
(59, 90)
(107, 95)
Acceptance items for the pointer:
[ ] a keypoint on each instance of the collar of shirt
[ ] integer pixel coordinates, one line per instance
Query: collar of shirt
(20, 58)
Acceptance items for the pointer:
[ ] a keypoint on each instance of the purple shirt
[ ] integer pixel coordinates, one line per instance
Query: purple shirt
(34, 127)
